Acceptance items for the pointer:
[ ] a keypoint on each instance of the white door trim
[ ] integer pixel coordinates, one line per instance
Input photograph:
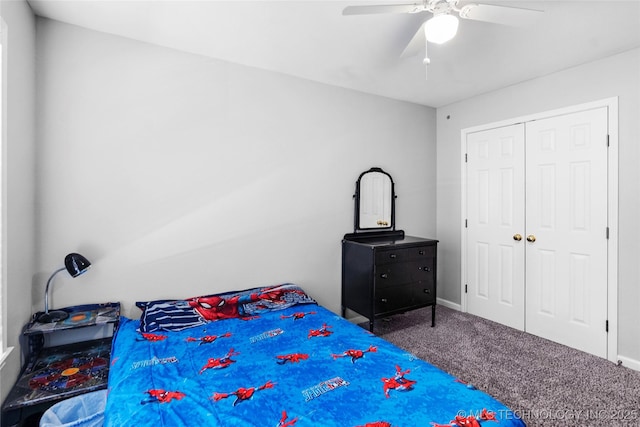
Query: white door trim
(612, 243)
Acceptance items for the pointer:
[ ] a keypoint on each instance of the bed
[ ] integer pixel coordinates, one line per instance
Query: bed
(272, 356)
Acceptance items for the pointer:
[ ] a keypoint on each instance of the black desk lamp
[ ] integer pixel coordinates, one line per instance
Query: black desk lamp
(75, 264)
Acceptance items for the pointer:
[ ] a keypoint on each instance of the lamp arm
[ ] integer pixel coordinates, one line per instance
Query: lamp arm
(46, 289)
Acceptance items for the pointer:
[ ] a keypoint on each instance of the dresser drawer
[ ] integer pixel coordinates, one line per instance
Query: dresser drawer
(391, 275)
(405, 296)
(424, 293)
(392, 299)
(404, 254)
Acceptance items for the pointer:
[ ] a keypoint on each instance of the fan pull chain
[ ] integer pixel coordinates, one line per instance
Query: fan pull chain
(426, 61)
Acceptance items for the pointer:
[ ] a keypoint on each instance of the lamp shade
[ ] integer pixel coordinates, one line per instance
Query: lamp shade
(76, 264)
(441, 28)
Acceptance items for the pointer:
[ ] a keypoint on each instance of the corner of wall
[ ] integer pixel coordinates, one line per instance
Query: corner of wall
(19, 178)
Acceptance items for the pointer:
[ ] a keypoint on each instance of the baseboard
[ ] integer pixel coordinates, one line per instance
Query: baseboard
(629, 363)
(357, 319)
(449, 304)
(624, 361)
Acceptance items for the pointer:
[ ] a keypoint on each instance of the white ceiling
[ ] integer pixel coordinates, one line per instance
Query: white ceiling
(313, 40)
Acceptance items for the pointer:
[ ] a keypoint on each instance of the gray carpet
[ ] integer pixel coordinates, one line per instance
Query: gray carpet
(547, 384)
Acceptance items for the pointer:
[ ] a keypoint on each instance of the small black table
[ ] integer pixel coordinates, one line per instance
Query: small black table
(63, 359)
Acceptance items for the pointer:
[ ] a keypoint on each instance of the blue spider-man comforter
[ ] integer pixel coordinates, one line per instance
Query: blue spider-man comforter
(300, 366)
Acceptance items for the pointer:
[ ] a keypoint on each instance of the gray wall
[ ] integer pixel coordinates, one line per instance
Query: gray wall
(615, 76)
(179, 175)
(18, 242)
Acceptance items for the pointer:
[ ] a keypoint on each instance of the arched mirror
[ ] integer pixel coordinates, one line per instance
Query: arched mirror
(374, 201)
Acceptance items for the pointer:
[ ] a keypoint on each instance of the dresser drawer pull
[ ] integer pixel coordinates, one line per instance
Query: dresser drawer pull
(420, 252)
(427, 269)
(393, 256)
(427, 291)
(384, 275)
(383, 300)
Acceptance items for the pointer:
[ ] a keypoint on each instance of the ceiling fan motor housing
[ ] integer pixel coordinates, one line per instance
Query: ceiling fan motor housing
(441, 6)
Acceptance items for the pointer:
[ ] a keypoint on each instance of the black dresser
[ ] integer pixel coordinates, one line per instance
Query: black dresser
(386, 275)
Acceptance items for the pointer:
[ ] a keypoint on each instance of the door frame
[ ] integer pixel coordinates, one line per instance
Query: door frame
(612, 206)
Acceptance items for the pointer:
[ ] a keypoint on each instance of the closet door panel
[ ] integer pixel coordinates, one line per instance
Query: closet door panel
(495, 214)
(566, 220)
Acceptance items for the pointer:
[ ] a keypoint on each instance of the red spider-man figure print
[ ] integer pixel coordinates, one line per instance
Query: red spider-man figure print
(469, 420)
(356, 354)
(242, 393)
(292, 358)
(322, 332)
(221, 362)
(215, 307)
(283, 421)
(298, 315)
(398, 382)
(488, 416)
(208, 339)
(151, 337)
(162, 396)
(462, 421)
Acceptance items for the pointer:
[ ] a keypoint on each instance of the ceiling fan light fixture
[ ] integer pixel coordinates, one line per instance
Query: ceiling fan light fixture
(441, 28)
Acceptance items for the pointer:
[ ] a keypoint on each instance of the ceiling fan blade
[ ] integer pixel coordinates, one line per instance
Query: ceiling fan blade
(416, 44)
(506, 15)
(383, 8)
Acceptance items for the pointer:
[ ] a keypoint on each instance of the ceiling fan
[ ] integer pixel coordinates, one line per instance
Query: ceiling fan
(443, 25)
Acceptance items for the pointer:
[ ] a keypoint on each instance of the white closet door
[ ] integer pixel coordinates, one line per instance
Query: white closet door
(566, 214)
(495, 215)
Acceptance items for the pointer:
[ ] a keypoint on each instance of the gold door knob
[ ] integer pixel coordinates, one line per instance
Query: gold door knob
(517, 237)
(531, 238)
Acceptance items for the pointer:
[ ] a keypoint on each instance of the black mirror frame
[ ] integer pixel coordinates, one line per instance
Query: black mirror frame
(356, 197)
